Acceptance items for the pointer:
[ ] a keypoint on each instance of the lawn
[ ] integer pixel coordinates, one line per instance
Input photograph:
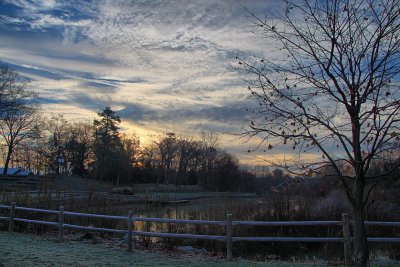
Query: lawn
(29, 250)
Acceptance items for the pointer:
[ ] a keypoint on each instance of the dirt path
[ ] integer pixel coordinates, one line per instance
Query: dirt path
(29, 250)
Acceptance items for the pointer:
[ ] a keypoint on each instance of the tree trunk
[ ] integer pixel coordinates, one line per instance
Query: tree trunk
(9, 152)
(361, 251)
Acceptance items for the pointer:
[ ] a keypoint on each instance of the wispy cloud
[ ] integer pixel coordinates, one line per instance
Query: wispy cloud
(159, 63)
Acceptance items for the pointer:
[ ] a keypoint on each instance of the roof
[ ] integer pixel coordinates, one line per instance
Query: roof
(16, 172)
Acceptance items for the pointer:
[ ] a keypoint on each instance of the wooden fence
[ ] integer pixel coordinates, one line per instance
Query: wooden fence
(228, 224)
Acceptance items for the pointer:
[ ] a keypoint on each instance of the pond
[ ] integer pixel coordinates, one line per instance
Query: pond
(213, 209)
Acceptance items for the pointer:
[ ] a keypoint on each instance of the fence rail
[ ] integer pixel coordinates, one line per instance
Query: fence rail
(94, 215)
(229, 224)
(288, 223)
(36, 210)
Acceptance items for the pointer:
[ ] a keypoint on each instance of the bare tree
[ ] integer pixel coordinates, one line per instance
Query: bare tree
(210, 143)
(189, 152)
(56, 128)
(17, 111)
(331, 92)
(167, 149)
(78, 144)
(12, 89)
(18, 124)
(131, 152)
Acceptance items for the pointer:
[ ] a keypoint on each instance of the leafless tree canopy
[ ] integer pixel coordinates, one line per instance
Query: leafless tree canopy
(332, 90)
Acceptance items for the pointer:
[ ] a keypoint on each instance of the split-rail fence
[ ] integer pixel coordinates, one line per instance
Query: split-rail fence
(345, 223)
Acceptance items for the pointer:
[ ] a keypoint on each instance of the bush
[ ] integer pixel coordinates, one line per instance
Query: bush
(122, 190)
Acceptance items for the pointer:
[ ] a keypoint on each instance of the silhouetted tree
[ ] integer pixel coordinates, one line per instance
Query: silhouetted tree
(189, 154)
(18, 124)
(277, 173)
(13, 90)
(18, 112)
(78, 147)
(107, 145)
(130, 158)
(56, 128)
(209, 153)
(167, 149)
(330, 90)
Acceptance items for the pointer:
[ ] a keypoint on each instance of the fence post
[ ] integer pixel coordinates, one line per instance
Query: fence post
(347, 239)
(60, 224)
(229, 237)
(11, 219)
(130, 214)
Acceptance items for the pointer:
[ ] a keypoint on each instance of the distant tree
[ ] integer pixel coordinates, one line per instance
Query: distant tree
(149, 162)
(185, 160)
(390, 160)
(247, 182)
(227, 176)
(107, 145)
(210, 144)
(39, 148)
(226, 172)
(277, 173)
(330, 91)
(130, 158)
(189, 153)
(78, 147)
(24, 155)
(167, 148)
(56, 131)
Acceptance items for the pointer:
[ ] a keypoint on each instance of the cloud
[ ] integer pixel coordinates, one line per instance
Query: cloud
(29, 71)
(230, 113)
(160, 64)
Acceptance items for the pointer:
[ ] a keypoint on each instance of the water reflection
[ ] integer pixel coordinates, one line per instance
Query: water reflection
(213, 209)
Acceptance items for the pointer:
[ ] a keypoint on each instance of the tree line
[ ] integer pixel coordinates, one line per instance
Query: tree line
(99, 150)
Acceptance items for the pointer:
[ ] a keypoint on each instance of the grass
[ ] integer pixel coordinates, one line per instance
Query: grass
(29, 250)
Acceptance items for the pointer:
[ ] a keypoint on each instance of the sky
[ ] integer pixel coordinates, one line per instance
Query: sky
(162, 65)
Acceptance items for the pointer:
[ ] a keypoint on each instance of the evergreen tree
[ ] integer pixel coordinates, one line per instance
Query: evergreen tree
(107, 145)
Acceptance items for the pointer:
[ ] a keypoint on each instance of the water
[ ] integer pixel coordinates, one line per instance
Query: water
(213, 209)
